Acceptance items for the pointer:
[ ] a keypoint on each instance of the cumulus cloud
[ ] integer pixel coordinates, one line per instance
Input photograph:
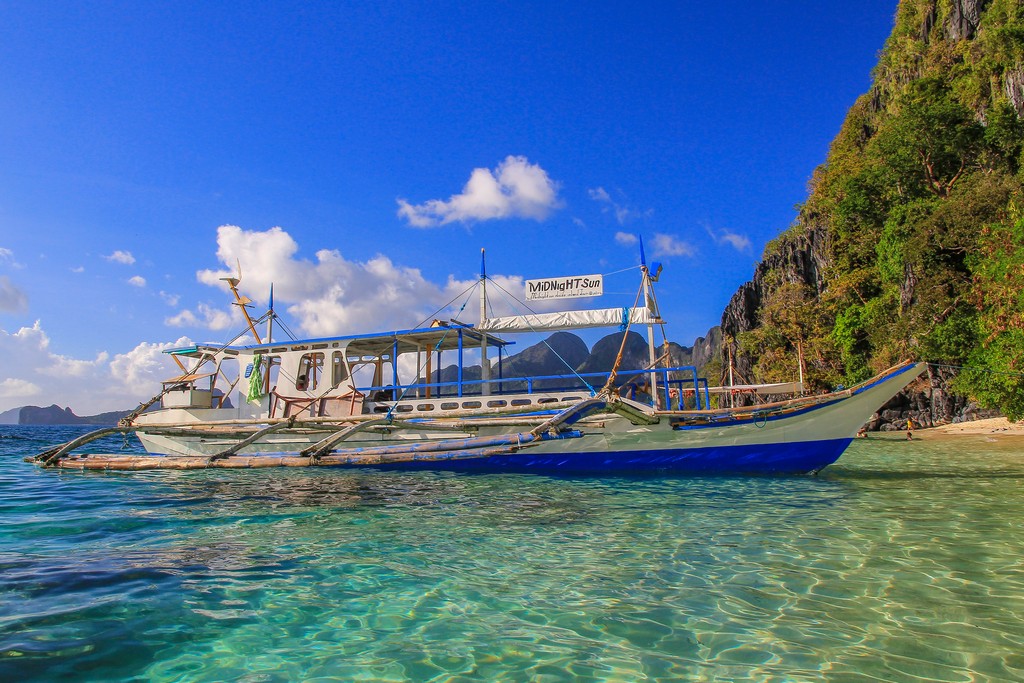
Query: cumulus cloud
(137, 281)
(515, 189)
(13, 388)
(327, 295)
(206, 316)
(623, 213)
(12, 299)
(78, 269)
(88, 386)
(123, 257)
(626, 239)
(170, 299)
(671, 245)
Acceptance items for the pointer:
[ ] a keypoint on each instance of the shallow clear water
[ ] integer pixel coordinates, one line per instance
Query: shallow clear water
(902, 563)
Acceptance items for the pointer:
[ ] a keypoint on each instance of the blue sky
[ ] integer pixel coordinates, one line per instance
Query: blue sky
(366, 152)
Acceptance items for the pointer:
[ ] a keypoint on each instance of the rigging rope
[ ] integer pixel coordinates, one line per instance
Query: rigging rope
(391, 408)
(622, 349)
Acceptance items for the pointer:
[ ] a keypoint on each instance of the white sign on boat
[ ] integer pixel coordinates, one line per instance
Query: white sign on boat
(564, 287)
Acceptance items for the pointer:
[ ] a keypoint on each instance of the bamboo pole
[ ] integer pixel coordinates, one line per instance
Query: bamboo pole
(55, 453)
(252, 439)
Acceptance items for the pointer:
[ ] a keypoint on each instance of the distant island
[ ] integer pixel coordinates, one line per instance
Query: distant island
(55, 415)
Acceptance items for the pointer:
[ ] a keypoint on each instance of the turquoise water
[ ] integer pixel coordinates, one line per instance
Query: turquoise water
(905, 562)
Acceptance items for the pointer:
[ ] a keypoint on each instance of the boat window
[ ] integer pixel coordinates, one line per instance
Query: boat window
(449, 406)
(497, 404)
(425, 407)
(339, 371)
(273, 369)
(404, 408)
(521, 401)
(310, 367)
(548, 400)
(471, 404)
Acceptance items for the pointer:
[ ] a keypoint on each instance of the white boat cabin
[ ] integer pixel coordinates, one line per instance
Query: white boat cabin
(420, 372)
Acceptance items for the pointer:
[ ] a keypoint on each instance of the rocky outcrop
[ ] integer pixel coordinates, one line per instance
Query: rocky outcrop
(707, 348)
(1013, 86)
(798, 257)
(964, 18)
(927, 403)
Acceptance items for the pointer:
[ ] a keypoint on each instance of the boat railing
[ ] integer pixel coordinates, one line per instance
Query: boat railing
(675, 388)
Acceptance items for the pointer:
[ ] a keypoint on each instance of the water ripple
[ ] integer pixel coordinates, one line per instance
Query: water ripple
(899, 564)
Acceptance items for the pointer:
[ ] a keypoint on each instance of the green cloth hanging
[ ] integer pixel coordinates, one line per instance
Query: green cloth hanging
(256, 394)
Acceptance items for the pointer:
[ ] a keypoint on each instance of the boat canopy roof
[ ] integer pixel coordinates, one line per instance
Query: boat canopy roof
(440, 337)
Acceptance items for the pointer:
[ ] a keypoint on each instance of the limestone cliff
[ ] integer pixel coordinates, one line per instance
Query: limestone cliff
(911, 241)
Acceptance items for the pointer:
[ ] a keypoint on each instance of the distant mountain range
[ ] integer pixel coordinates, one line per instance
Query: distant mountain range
(55, 415)
(563, 353)
(560, 354)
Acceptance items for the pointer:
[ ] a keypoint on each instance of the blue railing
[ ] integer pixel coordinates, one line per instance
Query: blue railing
(513, 385)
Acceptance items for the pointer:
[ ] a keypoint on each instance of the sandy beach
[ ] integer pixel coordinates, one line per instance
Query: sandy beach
(993, 425)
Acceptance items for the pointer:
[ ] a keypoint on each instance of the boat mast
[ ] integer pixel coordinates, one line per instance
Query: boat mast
(649, 303)
(242, 301)
(270, 316)
(485, 366)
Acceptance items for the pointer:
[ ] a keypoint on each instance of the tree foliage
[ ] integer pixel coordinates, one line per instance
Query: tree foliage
(916, 210)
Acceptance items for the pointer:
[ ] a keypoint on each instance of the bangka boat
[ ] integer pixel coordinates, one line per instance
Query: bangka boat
(382, 400)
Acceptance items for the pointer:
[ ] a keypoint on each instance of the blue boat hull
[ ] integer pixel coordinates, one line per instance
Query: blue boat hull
(784, 458)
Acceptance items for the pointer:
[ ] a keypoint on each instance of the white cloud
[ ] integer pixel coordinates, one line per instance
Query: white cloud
(8, 256)
(78, 269)
(208, 317)
(739, 242)
(107, 382)
(137, 281)
(626, 239)
(671, 245)
(735, 240)
(120, 256)
(13, 388)
(515, 189)
(329, 295)
(170, 299)
(12, 299)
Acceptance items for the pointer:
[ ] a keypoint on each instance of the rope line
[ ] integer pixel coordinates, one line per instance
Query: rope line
(622, 348)
(391, 409)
